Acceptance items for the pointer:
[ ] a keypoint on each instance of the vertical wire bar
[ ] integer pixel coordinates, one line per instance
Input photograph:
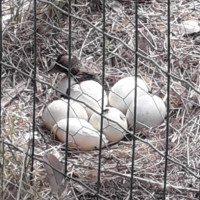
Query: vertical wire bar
(199, 187)
(102, 103)
(2, 168)
(168, 99)
(34, 85)
(69, 86)
(135, 100)
(1, 138)
(1, 49)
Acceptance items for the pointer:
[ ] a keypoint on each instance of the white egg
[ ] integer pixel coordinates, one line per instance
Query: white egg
(89, 92)
(112, 130)
(123, 92)
(82, 134)
(57, 110)
(151, 112)
(63, 85)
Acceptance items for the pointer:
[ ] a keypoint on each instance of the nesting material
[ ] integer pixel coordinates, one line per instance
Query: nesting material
(82, 134)
(151, 112)
(89, 92)
(123, 92)
(112, 130)
(57, 110)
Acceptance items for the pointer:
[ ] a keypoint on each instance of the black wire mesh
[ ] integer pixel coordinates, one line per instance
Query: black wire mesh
(108, 41)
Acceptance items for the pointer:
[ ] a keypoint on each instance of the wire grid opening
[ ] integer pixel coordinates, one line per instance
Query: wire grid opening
(104, 36)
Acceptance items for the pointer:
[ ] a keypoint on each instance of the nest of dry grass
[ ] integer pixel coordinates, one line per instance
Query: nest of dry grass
(52, 40)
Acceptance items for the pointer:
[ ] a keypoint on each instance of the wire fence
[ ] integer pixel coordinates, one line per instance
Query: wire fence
(73, 134)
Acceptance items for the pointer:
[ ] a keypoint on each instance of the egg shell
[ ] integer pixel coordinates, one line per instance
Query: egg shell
(82, 134)
(122, 93)
(151, 112)
(112, 130)
(57, 110)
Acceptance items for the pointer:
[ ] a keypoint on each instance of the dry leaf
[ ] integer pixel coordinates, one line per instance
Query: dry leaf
(79, 188)
(186, 27)
(55, 178)
(190, 27)
(117, 7)
(92, 175)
